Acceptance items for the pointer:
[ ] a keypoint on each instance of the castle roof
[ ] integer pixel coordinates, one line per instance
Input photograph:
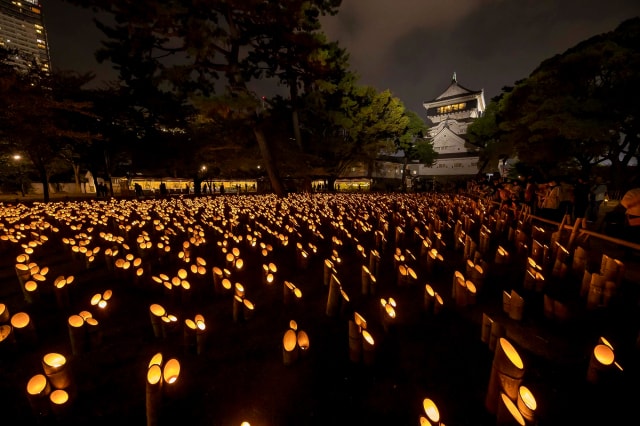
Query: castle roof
(454, 90)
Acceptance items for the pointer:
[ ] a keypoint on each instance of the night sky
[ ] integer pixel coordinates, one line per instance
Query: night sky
(411, 47)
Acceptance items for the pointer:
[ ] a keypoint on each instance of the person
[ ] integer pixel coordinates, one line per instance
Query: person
(598, 193)
(222, 188)
(138, 189)
(580, 198)
(163, 189)
(550, 207)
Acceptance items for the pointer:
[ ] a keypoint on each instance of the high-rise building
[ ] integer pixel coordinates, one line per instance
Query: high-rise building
(22, 31)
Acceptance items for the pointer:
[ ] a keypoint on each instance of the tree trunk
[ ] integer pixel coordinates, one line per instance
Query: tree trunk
(272, 170)
(76, 175)
(45, 185)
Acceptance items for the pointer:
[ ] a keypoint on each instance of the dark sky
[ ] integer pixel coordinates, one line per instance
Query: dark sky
(411, 47)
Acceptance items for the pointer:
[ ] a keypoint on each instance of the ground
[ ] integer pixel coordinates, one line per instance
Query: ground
(239, 373)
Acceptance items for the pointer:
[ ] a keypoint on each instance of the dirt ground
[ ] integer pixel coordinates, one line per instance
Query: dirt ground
(238, 373)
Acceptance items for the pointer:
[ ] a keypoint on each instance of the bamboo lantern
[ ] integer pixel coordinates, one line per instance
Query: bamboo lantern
(289, 347)
(23, 329)
(7, 338)
(201, 334)
(77, 334)
(333, 297)
(238, 306)
(431, 411)
(601, 363)
(55, 368)
(328, 271)
(23, 273)
(94, 332)
(156, 312)
(4, 313)
(506, 302)
(31, 291)
(60, 403)
(389, 318)
(438, 305)
(355, 342)
(471, 291)
(365, 281)
(169, 325)
(153, 394)
(303, 342)
(579, 262)
(516, 308)
(61, 291)
(460, 292)
(527, 404)
(497, 332)
(189, 335)
(248, 309)
(368, 348)
(374, 263)
(596, 290)
(487, 323)
(429, 298)
(217, 279)
(508, 413)
(38, 390)
(170, 375)
(507, 371)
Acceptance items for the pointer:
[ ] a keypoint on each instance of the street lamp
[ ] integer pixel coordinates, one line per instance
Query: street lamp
(18, 159)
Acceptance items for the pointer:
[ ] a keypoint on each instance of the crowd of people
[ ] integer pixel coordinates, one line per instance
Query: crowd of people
(551, 199)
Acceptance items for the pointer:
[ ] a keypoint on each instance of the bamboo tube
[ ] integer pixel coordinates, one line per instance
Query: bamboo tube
(60, 404)
(38, 390)
(333, 297)
(4, 313)
(609, 292)
(508, 413)
(527, 404)
(238, 306)
(24, 329)
(201, 335)
(289, 347)
(461, 292)
(548, 307)
(429, 298)
(170, 375)
(471, 292)
(55, 368)
(561, 311)
(328, 271)
(506, 302)
(248, 309)
(7, 338)
(189, 338)
(516, 308)
(153, 394)
(355, 342)
(94, 332)
(368, 348)
(431, 411)
(596, 288)
(156, 313)
(487, 324)
(497, 331)
(77, 334)
(438, 305)
(600, 364)
(507, 371)
(302, 339)
(579, 262)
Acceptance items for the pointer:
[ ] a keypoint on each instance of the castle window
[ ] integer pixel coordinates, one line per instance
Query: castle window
(447, 109)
